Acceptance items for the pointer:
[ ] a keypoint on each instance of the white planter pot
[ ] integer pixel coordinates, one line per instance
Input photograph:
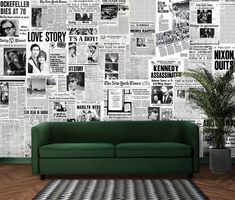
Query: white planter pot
(220, 160)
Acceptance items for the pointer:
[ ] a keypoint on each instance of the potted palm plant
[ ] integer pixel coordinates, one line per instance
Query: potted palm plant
(217, 103)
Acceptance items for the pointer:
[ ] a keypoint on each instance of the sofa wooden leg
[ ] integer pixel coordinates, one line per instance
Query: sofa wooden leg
(190, 175)
(42, 177)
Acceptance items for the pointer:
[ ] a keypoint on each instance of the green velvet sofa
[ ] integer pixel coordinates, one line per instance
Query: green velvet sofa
(115, 147)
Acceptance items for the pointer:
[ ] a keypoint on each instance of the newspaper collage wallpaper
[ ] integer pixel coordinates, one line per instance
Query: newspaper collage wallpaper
(103, 60)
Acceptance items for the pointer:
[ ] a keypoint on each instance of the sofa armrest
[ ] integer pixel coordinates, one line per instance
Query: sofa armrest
(40, 136)
(191, 137)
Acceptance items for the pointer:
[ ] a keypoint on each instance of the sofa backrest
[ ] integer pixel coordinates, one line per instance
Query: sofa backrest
(116, 131)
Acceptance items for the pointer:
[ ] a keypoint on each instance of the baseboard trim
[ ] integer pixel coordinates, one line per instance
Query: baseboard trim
(15, 160)
(204, 160)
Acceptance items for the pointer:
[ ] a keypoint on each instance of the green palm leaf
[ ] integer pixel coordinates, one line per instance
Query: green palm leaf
(216, 100)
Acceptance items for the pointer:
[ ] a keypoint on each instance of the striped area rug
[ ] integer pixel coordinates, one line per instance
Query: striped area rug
(121, 189)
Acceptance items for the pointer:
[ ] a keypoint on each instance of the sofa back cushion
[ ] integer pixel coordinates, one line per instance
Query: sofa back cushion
(116, 132)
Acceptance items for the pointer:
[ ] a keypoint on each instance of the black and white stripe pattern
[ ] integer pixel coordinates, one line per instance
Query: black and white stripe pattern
(121, 189)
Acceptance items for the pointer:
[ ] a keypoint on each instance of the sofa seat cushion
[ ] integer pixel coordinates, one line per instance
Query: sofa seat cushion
(77, 150)
(163, 149)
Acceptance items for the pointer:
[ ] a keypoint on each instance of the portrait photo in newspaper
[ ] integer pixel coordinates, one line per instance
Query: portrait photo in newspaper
(93, 53)
(4, 93)
(38, 60)
(72, 53)
(141, 42)
(162, 95)
(9, 28)
(76, 82)
(154, 113)
(14, 61)
(36, 19)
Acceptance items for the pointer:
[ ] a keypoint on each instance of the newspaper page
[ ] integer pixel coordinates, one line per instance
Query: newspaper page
(227, 23)
(205, 22)
(143, 11)
(123, 100)
(33, 116)
(46, 52)
(12, 93)
(14, 20)
(223, 57)
(113, 57)
(12, 132)
(114, 17)
(117, 102)
(88, 111)
(48, 15)
(172, 28)
(36, 91)
(62, 106)
(141, 103)
(83, 20)
(230, 140)
(161, 98)
(136, 67)
(76, 81)
(142, 38)
(12, 138)
(184, 109)
(162, 74)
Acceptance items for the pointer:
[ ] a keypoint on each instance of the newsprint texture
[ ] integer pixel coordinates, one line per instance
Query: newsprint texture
(103, 60)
